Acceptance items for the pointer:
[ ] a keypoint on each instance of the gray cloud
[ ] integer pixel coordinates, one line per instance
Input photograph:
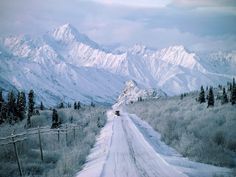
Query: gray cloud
(204, 27)
(202, 3)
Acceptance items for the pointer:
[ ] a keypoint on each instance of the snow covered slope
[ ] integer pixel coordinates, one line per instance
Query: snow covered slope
(64, 64)
(54, 80)
(132, 92)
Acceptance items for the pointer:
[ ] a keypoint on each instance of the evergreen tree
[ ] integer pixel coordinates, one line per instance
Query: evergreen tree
(11, 103)
(61, 105)
(78, 105)
(3, 114)
(75, 105)
(1, 100)
(41, 106)
(18, 105)
(210, 97)
(55, 121)
(224, 98)
(92, 104)
(30, 106)
(21, 105)
(201, 97)
(233, 93)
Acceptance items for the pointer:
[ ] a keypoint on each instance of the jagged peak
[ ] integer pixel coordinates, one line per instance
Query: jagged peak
(133, 92)
(178, 48)
(130, 84)
(65, 33)
(68, 34)
(137, 49)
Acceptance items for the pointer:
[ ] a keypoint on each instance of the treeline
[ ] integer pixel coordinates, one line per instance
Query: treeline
(14, 108)
(56, 121)
(18, 107)
(226, 95)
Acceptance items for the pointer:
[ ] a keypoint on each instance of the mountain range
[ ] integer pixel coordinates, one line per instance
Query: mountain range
(65, 65)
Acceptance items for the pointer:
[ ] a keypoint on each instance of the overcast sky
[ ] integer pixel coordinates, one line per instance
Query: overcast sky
(200, 25)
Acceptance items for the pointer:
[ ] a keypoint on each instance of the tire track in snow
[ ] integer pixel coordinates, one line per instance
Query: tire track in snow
(132, 153)
(104, 165)
(147, 161)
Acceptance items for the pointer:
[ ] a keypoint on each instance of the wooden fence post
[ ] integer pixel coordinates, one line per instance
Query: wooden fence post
(58, 135)
(74, 133)
(66, 134)
(16, 154)
(40, 145)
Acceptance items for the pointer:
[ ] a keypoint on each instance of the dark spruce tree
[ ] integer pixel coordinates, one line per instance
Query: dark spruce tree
(41, 106)
(224, 98)
(55, 120)
(210, 98)
(92, 104)
(18, 105)
(78, 105)
(3, 114)
(11, 106)
(61, 105)
(21, 105)
(75, 105)
(30, 107)
(1, 100)
(201, 97)
(233, 93)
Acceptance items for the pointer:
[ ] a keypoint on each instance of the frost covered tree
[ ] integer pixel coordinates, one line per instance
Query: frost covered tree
(30, 106)
(210, 97)
(233, 93)
(224, 98)
(201, 97)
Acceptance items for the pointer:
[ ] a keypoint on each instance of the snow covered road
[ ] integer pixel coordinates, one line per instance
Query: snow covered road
(128, 147)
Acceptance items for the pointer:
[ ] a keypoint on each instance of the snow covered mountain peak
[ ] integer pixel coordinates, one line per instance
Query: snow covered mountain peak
(67, 34)
(178, 55)
(177, 48)
(137, 49)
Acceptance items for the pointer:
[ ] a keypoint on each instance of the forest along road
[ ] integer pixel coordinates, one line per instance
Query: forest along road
(122, 150)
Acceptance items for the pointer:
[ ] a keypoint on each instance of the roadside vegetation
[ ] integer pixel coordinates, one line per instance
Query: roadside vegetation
(62, 156)
(200, 125)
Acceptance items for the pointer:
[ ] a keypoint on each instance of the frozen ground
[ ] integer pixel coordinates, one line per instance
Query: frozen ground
(127, 146)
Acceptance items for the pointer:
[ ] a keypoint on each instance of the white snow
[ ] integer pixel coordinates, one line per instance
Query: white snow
(132, 91)
(129, 147)
(77, 67)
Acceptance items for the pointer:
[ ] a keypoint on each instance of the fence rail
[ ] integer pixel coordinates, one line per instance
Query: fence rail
(15, 138)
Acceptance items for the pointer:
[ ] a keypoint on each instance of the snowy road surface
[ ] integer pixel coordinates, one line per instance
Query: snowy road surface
(129, 147)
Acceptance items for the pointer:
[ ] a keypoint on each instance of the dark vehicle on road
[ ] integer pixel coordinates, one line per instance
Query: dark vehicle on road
(117, 113)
